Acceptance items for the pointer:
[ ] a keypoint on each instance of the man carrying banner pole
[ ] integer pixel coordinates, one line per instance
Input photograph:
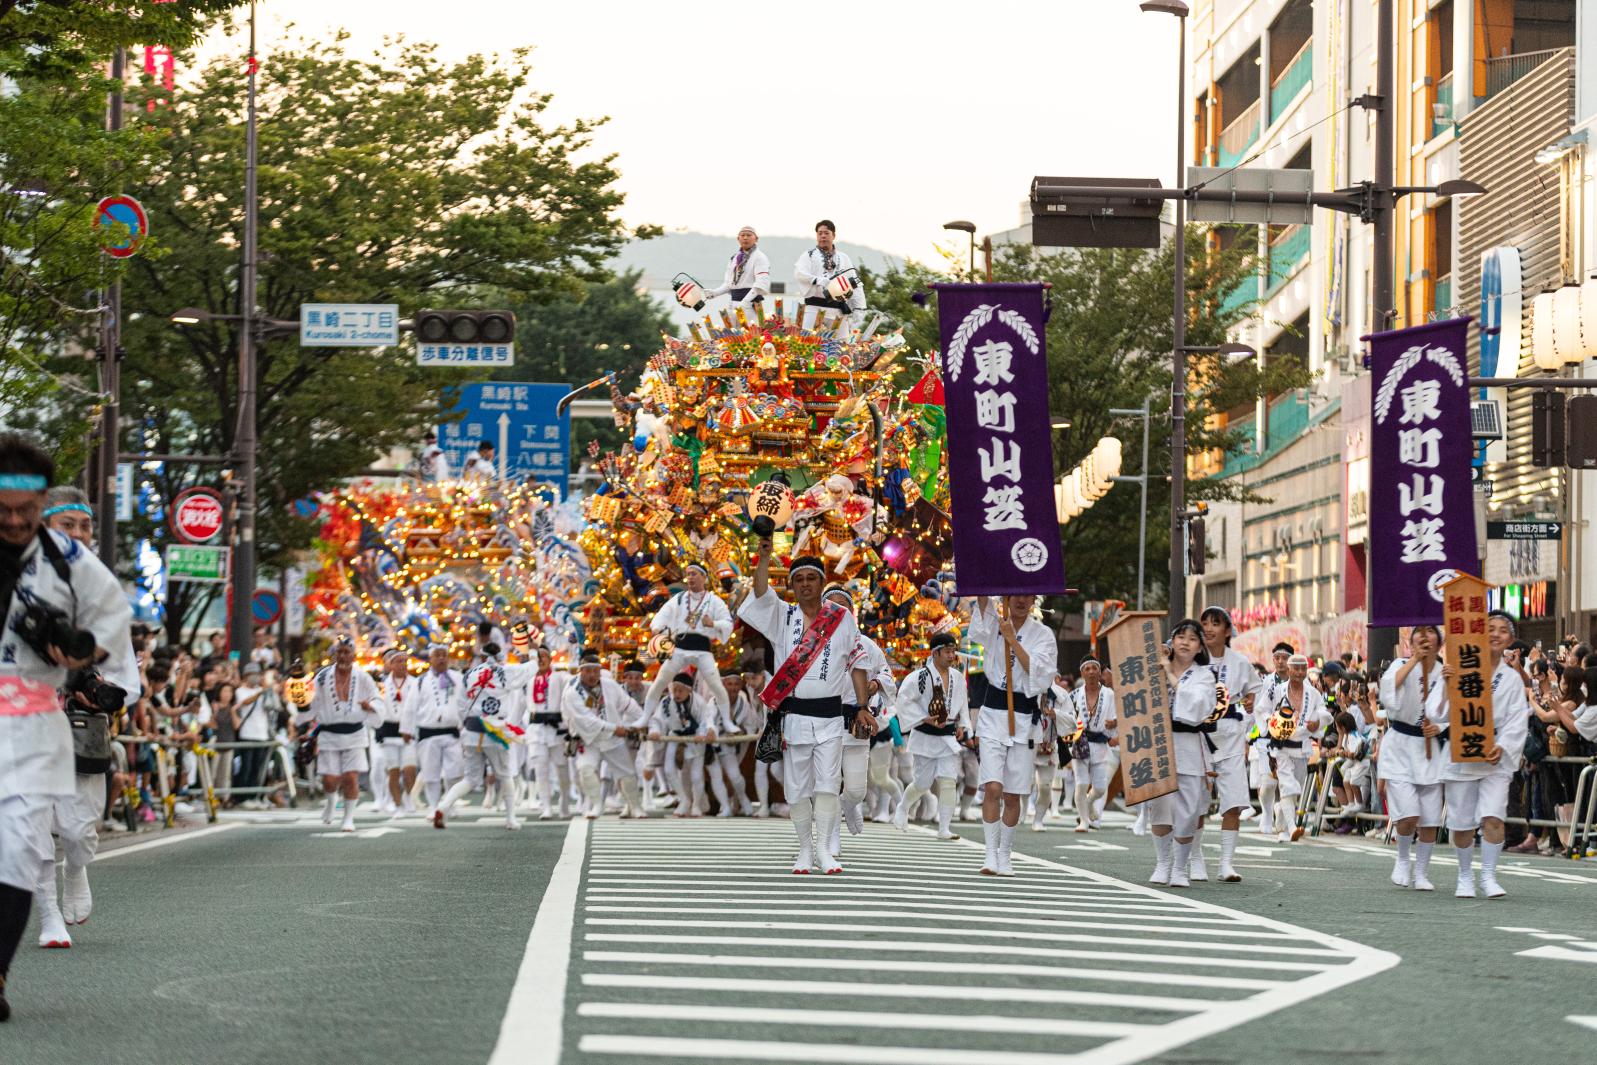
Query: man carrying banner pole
(813, 642)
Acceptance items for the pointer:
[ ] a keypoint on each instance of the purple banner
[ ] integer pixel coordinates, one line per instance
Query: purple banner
(1000, 446)
(1422, 505)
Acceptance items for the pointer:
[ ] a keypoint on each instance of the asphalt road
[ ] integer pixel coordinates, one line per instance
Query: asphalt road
(269, 939)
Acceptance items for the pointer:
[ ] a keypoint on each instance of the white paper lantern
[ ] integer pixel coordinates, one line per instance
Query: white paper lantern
(1109, 446)
(1567, 341)
(1542, 352)
(1588, 322)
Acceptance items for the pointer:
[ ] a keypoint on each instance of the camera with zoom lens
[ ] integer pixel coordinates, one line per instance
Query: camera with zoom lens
(102, 696)
(42, 626)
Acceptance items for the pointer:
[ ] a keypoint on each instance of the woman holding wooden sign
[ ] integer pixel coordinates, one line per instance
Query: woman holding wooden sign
(1192, 699)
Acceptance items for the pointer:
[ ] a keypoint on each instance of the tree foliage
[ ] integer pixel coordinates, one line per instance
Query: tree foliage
(1109, 338)
(56, 38)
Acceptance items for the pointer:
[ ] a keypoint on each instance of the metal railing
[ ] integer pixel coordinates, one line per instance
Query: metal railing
(1442, 107)
(1442, 295)
(1502, 71)
(1239, 135)
(1298, 73)
(281, 752)
(1287, 252)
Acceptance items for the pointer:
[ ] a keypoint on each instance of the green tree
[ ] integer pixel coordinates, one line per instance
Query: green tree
(399, 178)
(1109, 337)
(57, 38)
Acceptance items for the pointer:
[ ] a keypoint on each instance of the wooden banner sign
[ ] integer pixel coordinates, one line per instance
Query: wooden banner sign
(1136, 661)
(1471, 733)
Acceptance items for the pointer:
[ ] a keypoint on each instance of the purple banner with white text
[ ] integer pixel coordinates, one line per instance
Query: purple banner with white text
(1000, 446)
(1422, 504)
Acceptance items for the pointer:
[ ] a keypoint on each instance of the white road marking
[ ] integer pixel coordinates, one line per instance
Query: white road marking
(1562, 953)
(964, 916)
(1588, 1022)
(359, 833)
(531, 1033)
(966, 899)
(164, 841)
(917, 1022)
(818, 1053)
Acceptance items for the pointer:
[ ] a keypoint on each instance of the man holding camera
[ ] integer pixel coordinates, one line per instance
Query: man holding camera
(61, 607)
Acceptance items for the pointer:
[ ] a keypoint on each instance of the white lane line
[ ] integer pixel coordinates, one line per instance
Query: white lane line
(710, 894)
(981, 949)
(1144, 922)
(531, 1031)
(840, 988)
(166, 841)
(915, 1022)
(1060, 972)
(856, 878)
(1585, 1022)
(637, 1046)
(837, 899)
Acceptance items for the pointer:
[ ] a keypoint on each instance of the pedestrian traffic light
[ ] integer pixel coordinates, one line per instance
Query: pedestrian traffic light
(1547, 444)
(1197, 548)
(1581, 420)
(465, 327)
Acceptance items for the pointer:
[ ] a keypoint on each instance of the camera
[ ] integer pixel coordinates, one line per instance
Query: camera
(42, 626)
(102, 696)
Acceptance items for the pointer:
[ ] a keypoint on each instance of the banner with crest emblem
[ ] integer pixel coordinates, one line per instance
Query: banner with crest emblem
(1000, 445)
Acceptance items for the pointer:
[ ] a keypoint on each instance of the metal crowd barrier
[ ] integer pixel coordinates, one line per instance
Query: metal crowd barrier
(280, 751)
(163, 765)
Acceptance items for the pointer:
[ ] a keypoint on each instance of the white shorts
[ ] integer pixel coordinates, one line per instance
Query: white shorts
(478, 755)
(1180, 809)
(808, 768)
(930, 768)
(856, 770)
(1096, 769)
(1469, 802)
(617, 758)
(1291, 770)
(25, 843)
(1405, 800)
(338, 763)
(438, 758)
(1356, 773)
(397, 754)
(1231, 784)
(1012, 765)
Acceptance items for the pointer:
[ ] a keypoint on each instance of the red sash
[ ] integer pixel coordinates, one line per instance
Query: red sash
(786, 679)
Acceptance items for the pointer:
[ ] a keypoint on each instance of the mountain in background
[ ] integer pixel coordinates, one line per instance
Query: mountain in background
(704, 256)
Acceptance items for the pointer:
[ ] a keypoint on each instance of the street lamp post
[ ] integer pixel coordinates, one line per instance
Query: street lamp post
(969, 229)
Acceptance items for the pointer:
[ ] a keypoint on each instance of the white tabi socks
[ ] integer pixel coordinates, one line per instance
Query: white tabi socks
(1466, 872)
(1084, 808)
(1141, 827)
(945, 809)
(802, 811)
(1006, 849)
(1178, 864)
(329, 801)
(1422, 866)
(911, 797)
(1228, 850)
(1197, 868)
(1161, 865)
(349, 814)
(1489, 885)
(828, 817)
(989, 831)
(1267, 809)
(1403, 868)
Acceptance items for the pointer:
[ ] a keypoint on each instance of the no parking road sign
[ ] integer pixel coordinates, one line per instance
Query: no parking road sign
(115, 212)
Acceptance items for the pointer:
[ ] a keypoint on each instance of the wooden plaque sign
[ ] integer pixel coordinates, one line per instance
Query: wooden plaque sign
(1147, 752)
(1469, 694)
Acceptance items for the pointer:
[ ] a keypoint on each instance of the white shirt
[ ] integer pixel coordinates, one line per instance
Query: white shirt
(992, 723)
(1233, 670)
(597, 724)
(914, 706)
(480, 469)
(756, 275)
(1102, 715)
(703, 612)
(1192, 704)
(435, 462)
(694, 718)
(829, 675)
(869, 657)
(546, 695)
(327, 708)
(435, 700)
(253, 724)
(1403, 756)
(812, 275)
(490, 687)
(394, 695)
(1511, 714)
(1312, 711)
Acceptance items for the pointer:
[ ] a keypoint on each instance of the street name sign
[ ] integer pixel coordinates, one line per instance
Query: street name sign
(199, 563)
(348, 325)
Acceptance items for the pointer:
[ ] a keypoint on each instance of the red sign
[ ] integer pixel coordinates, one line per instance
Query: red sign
(196, 515)
(121, 225)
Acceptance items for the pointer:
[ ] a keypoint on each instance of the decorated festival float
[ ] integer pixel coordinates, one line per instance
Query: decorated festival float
(834, 431)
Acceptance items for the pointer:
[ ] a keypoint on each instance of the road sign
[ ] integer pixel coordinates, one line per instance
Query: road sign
(473, 354)
(1061, 220)
(519, 420)
(266, 606)
(295, 586)
(1524, 530)
(124, 491)
(196, 515)
(1292, 186)
(200, 563)
(348, 325)
(112, 214)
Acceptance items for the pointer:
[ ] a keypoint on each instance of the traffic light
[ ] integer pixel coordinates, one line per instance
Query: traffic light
(465, 327)
(1197, 548)
(1547, 443)
(1582, 428)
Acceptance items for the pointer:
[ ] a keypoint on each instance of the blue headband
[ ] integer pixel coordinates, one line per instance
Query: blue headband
(60, 508)
(23, 482)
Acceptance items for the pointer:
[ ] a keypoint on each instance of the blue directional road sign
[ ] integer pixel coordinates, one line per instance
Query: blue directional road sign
(519, 419)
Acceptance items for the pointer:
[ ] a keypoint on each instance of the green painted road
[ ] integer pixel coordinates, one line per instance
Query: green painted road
(271, 939)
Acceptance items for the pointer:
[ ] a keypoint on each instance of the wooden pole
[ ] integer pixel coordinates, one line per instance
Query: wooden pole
(1009, 691)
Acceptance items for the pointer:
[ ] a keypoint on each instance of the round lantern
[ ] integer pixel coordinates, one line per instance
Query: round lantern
(1543, 353)
(520, 635)
(298, 687)
(839, 287)
(770, 506)
(1588, 323)
(1567, 340)
(689, 292)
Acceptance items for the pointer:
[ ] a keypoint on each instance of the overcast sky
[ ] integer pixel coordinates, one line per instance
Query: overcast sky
(889, 116)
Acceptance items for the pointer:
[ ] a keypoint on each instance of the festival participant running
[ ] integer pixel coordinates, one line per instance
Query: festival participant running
(431, 717)
(636, 684)
(494, 718)
(1238, 683)
(602, 714)
(748, 271)
(1192, 695)
(1262, 768)
(697, 619)
(684, 714)
(1413, 752)
(546, 734)
(1477, 792)
(1024, 657)
(1096, 708)
(863, 727)
(933, 708)
(1303, 703)
(813, 642)
(399, 754)
(340, 705)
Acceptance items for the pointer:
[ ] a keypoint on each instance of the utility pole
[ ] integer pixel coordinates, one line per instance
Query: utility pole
(110, 366)
(242, 577)
(1381, 643)
(1178, 359)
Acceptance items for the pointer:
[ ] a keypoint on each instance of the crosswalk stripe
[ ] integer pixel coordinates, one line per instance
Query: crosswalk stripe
(843, 988)
(1151, 922)
(984, 949)
(965, 879)
(922, 902)
(818, 1053)
(698, 894)
(968, 968)
(948, 1022)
